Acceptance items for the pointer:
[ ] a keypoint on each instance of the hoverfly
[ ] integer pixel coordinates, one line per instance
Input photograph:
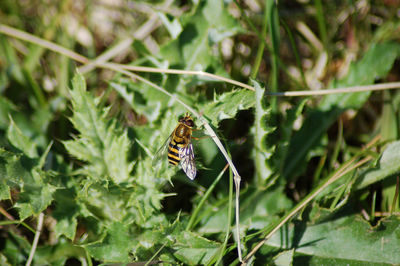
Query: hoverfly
(179, 147)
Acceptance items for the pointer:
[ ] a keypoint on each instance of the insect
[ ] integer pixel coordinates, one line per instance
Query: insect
(179, 147)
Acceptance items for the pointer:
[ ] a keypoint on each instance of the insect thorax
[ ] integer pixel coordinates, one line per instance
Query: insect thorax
(183, 131)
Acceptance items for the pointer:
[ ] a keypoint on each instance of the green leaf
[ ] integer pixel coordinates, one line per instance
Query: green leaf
(345, 238)
(4, 190)
(4, 260)
(193, 249)
(284, 258)
(6, 107)
(376, 63)
(261, 131)
(258, 208)
(11, 60)
(389, 132)
(101, 143)
(32, 126)
(33, 199)
(226, 105)
(173, 27)
(114, 247)
(209, 24)
(15, 248)
(12, 172)
(107, 203)
(20, 141)
(24, 174)
(66, 213)
(286, 130)
(59, 253)
(214, 220)
(387, 166)
(150, 107)
(148, 195)
(191, 49)
(388, 30)
(222, 24)
(389, 123)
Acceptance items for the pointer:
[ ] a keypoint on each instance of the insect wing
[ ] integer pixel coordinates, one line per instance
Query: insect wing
(187, 161)
(161, 154)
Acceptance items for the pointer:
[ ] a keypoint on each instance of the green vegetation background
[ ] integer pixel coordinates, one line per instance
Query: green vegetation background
(76, 146)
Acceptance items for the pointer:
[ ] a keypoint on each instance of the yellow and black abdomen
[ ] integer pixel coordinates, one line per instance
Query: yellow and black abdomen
(173, 152)
(178, 142)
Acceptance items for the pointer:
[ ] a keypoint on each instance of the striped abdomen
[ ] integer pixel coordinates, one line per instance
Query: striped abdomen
(173, 150)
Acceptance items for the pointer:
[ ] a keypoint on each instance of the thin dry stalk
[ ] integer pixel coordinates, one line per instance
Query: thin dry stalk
(36, 239)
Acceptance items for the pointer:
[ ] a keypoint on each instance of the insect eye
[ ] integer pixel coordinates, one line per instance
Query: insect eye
(190, 123)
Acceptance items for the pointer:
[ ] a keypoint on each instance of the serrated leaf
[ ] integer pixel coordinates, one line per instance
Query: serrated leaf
(13, 172)
(261, 131)
(150, 239)
(347, 238)
(24, 210)
(147, 198)
(388, 165)
(101, 143)
(4, 189)
(107, 204)
(114, 247)
(226, 105)
(66, 213)
(376, 63)
(33, 199)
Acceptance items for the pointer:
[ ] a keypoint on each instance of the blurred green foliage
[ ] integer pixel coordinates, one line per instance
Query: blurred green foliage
(77, 146)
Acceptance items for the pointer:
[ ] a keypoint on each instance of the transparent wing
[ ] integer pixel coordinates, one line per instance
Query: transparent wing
(187, 161)
(161, 154)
